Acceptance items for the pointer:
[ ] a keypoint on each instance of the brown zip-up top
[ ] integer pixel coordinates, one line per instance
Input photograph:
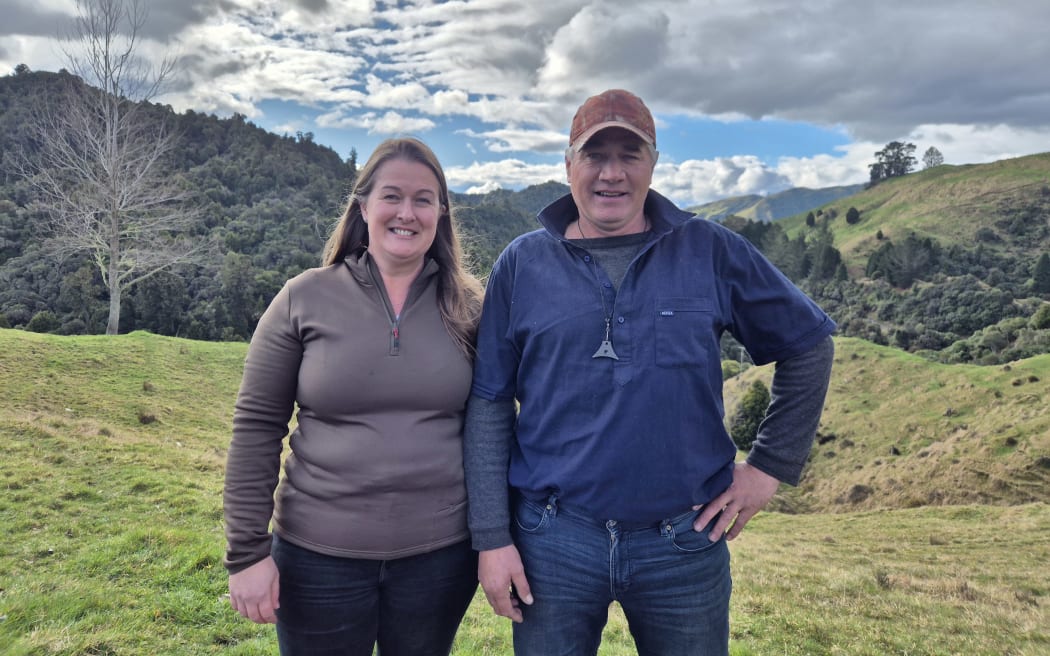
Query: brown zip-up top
(375, 468)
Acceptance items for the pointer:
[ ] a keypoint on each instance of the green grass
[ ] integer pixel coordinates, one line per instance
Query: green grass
(114, 535)
(914, 432)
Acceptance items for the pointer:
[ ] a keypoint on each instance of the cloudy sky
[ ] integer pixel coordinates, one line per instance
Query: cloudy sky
(750, 96)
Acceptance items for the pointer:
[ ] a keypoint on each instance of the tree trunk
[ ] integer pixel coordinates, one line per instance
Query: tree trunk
(113, 326)
(113, 282)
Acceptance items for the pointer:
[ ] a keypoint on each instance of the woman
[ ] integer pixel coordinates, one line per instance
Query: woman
(369, 539)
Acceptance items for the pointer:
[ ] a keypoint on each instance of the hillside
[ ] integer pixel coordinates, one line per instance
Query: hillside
(944, 262)
(114, 457)
(966, 433)
(1003, 206)
(900, 431)
(266, 204)
(940, 262)
(774, 206)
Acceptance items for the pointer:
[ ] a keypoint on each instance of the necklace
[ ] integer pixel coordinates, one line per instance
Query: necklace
(605, 349)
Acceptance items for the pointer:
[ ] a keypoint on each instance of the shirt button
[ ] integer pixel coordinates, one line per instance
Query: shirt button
(607, 284)
(620, 319)
(586, 258)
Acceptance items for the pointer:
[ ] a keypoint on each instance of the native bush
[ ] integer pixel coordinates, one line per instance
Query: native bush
(748, 417)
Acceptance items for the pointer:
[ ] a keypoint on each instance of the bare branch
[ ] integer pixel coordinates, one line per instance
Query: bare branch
(101, 169)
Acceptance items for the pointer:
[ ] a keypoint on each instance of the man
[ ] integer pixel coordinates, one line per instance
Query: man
(604, 326)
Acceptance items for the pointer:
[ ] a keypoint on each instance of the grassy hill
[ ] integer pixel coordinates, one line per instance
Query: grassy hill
(110, 497)
(900, 431)
(987, 204)
(719, 209)
(774, 206)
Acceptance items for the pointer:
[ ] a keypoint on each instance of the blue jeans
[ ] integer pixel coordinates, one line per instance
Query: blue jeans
(410, 606)
(671, 581)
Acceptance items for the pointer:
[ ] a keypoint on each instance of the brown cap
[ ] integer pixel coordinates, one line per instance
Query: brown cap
(614, 108)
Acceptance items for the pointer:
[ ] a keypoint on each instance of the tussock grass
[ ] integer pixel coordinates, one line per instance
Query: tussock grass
(114, 536)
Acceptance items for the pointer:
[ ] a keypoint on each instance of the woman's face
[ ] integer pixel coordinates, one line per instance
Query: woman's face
(402, 213)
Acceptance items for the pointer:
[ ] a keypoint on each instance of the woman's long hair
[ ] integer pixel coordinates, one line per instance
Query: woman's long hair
(459, 292)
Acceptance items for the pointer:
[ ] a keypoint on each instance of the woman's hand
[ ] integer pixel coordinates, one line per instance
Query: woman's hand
(255, 591)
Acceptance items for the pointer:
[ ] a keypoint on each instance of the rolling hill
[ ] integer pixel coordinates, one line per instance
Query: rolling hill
(900, 431)
(774, 206)
(1004, 207)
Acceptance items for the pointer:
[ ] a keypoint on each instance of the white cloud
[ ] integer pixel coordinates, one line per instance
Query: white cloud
(515, 140)
(507, 173)
(390, 123)
(698, 181)
(967, 76)
(491, 185)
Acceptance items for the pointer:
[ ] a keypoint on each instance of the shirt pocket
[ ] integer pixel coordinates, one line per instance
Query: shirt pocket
(682, 331)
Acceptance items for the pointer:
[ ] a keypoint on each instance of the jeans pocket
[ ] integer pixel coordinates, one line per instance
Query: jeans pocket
(683, 538)
(531, 516)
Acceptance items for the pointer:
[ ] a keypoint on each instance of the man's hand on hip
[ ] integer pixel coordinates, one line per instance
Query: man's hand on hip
(498, 570)
(749, 492)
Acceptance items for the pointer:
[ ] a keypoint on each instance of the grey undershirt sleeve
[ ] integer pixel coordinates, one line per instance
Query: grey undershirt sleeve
(786, 434)
(487, 433)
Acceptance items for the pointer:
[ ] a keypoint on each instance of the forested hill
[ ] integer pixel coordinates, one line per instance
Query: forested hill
(268, 202)
(952, 262)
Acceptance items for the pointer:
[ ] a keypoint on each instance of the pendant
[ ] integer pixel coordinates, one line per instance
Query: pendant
(605, 351)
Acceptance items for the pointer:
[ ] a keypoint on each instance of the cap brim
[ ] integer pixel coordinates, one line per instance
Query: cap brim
(586, 136)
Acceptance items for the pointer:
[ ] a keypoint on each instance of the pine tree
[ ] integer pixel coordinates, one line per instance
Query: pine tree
(1041, 275)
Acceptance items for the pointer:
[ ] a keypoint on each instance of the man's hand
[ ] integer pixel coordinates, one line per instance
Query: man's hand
(255, 591)
(749, 492)
(498, 570)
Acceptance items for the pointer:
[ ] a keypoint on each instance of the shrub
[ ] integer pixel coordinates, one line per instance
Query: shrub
(731, 368)
(1040, 320)
(744, 426)
(44, 321)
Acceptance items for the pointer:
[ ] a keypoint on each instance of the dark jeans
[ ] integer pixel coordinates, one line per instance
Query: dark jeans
(672, 582)
(410, 606)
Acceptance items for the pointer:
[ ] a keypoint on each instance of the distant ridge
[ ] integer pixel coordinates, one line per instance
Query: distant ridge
(775, 206)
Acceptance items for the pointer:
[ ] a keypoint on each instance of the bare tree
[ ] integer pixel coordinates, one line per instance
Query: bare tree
(932, 157)
(101, 165)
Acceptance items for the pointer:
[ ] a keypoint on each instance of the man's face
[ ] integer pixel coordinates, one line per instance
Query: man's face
(609, 178)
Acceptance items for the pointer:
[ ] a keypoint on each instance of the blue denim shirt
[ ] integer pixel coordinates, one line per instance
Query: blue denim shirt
(642, 437)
